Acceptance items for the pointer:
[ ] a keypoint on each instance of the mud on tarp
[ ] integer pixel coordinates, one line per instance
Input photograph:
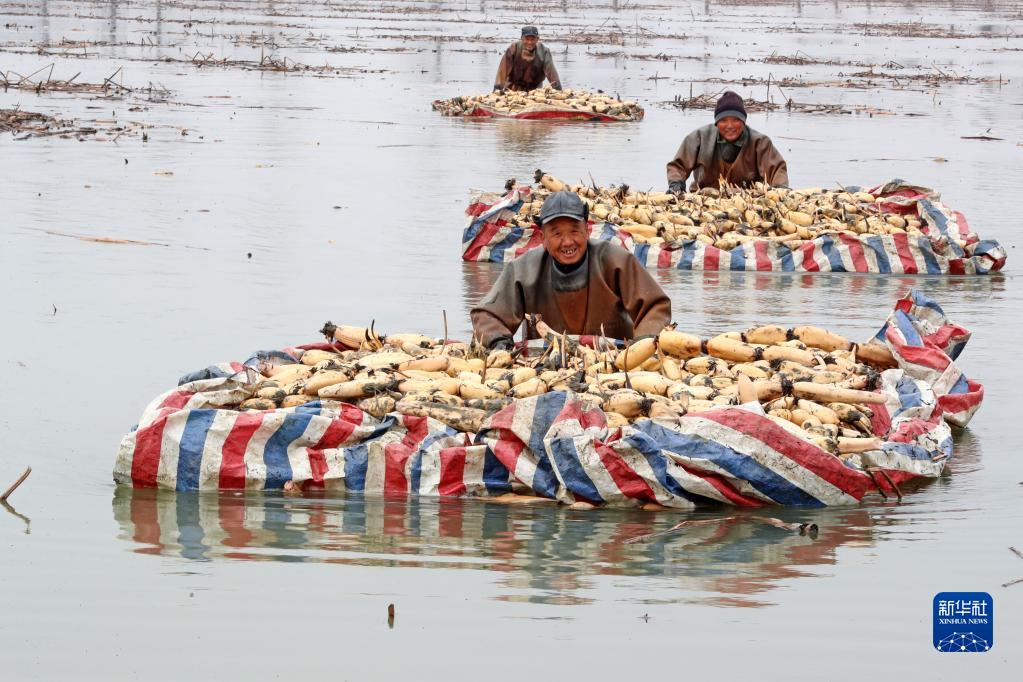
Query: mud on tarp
(554, 447)
(489, 236)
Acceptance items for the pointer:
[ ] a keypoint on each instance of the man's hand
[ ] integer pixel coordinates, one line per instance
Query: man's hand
(676, 186)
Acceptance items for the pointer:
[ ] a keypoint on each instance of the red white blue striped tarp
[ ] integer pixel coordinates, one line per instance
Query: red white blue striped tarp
(489, 236)
(552, 445)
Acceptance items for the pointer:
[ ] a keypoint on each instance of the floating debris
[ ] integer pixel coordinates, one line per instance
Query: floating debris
(1017, 580)
(869, 77)
(103, 240)
(918, 29)
(271, 62)
(986, 138)
(18, 121)
(798, 59)
(14, 486)
(28, 124)
(935, 77)
(109, 88)
(709, 101)
(645, 57)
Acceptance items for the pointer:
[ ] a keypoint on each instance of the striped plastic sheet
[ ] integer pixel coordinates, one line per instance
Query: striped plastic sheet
(554, 447)
(489, 236)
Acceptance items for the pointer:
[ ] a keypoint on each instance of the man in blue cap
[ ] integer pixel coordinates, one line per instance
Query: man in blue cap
(727, 150)
(576, 284)
(526, 63)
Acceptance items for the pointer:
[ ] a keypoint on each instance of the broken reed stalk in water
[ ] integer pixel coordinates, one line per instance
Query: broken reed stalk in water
(1017, 580)
(14, 486)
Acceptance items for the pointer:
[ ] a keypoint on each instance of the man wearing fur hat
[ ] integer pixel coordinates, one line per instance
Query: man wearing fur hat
(727, 150)
(526, 63)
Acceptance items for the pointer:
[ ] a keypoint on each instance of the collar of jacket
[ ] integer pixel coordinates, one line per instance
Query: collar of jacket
(574, 280)
(729, 151)
(738, 142)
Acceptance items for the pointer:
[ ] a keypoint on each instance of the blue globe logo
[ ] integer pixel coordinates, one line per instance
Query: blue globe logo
(963, 641)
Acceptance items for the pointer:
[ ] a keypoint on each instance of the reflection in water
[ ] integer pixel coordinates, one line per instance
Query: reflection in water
(477, 278)
(523, 137)
(112, 23)
(968, 452)
(543, 554)
(11, 510)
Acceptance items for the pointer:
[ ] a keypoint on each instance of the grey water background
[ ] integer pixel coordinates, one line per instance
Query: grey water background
(348, 191)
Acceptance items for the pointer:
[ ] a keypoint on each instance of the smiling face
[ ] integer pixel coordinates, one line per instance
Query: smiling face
(529, 42)
(565, 239)
(730, 128)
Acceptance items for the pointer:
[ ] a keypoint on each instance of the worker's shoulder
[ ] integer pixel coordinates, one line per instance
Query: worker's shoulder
(530, 261)
(607, 253)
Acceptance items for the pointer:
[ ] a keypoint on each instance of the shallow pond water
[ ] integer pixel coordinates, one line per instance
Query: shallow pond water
(300, 196)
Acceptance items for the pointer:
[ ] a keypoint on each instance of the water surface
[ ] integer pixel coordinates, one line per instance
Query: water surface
(301, 196)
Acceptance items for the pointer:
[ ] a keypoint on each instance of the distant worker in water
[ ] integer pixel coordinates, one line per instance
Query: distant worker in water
(526, 63)
(577, 285)
(727, 150)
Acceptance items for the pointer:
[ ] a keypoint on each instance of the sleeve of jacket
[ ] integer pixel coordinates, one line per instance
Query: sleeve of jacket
(772, 166)
(684, 162)
(643, 298)
(503, 69)
(501, 311)
(550, 70)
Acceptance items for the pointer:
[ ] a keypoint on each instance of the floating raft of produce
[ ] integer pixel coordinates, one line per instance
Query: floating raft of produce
(769, 416)
(895, 228)
(542, 104)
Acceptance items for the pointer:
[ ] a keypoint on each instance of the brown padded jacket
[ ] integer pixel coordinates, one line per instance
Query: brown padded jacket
(514, 71)
(610, 288)
(758, 161)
